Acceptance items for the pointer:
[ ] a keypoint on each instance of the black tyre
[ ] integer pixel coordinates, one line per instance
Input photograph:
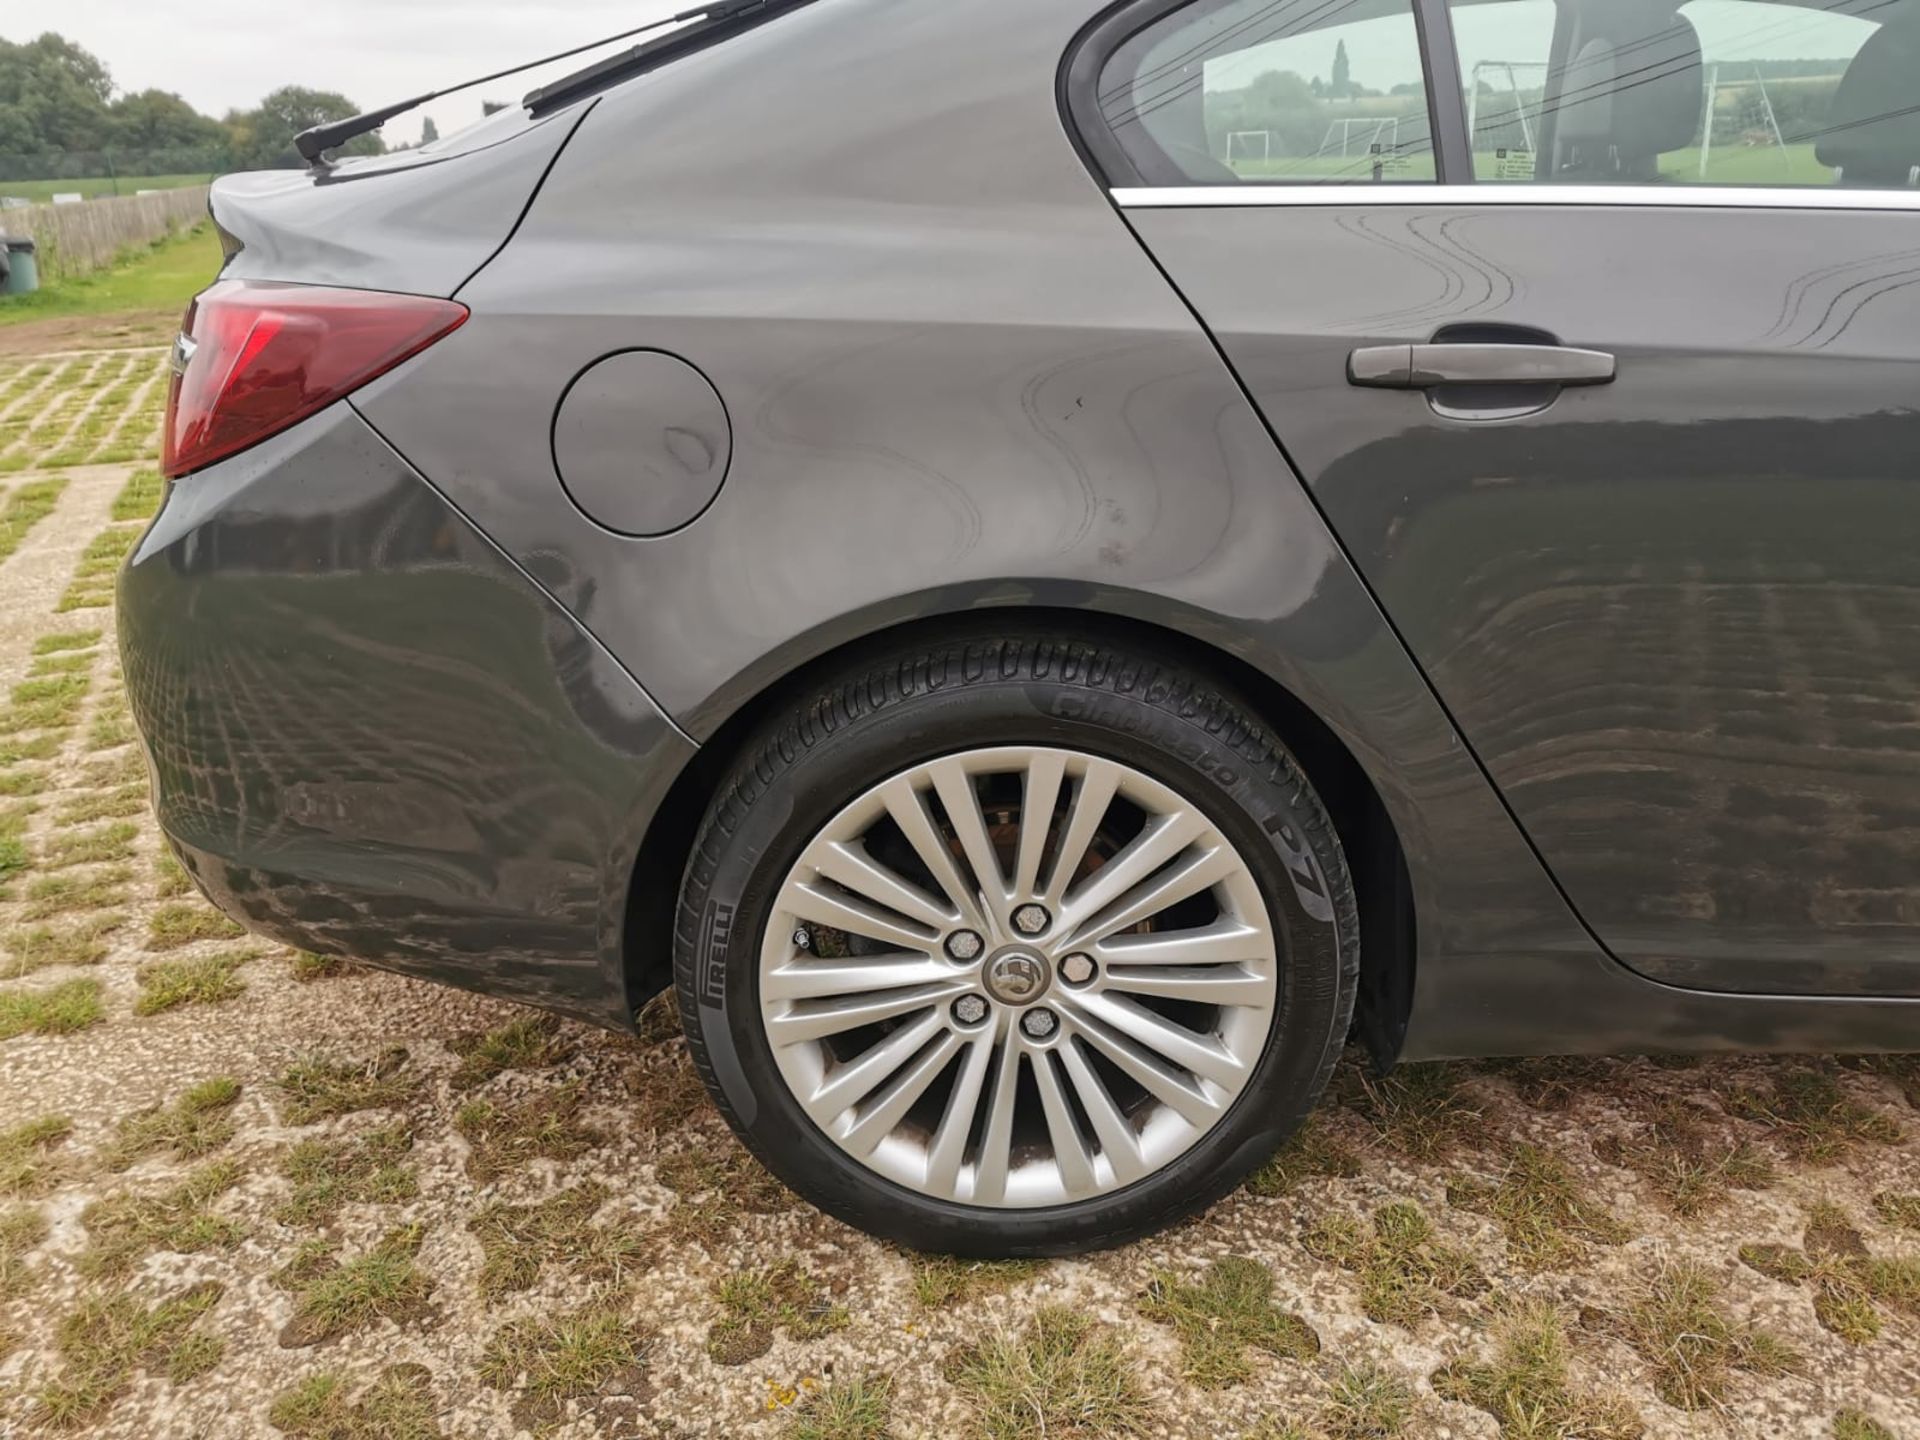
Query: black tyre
(1015, 945)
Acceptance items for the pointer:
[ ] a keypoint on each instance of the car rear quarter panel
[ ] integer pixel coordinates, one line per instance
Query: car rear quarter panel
(957, 381)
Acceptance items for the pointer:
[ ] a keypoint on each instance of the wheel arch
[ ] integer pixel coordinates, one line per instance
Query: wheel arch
(1371, 841)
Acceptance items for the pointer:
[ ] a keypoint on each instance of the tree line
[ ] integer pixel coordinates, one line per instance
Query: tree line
(57, 98)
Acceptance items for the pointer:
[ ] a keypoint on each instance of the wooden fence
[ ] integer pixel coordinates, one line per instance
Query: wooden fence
(73, 239)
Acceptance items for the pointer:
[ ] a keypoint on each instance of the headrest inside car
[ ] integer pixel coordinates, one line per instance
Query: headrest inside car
(1631, 91)
(1872, 135)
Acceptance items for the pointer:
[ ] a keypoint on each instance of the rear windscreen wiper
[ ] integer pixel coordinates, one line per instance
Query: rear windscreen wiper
(719, 22)
(313, 144)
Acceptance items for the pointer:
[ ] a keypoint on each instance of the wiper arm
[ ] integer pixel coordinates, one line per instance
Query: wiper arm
(313, 144)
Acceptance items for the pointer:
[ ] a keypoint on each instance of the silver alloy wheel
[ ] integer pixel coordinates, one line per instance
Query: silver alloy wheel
(859, 982)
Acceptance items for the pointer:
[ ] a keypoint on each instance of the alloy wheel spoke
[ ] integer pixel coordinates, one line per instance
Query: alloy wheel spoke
(907, 807)
(1202, 1055)
(907, 1086)
(996, 1143)
(852, 868)
(1171, 1087)
(1039, 794)
(817, 1019)
(1166, 888)
(961, 801)
(802, 979)
(1202, 984)
(1092, 796)
(855, 916)
(1163, 839)
(852, 1083)
(1118, 1142)
(1069, 1150)
(949, 1149)
(1225, 941)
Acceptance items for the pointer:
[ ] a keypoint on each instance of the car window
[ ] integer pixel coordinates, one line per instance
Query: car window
(1273, 91)
(1708, 92)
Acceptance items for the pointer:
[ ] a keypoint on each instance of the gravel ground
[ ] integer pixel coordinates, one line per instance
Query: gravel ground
(243, 1194)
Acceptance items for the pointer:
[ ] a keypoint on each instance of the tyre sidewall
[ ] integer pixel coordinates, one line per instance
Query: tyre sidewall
(1249, 790)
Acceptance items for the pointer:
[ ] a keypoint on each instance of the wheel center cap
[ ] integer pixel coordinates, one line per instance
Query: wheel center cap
(1016, 977)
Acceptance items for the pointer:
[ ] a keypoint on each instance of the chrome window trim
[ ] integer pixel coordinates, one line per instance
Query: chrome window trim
(1662, 197)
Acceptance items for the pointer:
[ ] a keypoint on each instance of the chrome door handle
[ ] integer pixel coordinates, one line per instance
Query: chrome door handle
(1421, 367)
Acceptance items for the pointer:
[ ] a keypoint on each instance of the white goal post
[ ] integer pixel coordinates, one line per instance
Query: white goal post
(1379, 134)
(1264, 137)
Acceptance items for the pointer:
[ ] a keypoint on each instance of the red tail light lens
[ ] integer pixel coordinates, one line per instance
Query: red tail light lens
(255, 358)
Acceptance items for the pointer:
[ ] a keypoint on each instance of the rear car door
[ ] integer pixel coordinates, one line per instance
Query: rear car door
(1593, 328)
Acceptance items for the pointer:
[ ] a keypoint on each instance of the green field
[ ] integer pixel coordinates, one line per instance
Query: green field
(163, 277)
(1726, 165)
(42, 191)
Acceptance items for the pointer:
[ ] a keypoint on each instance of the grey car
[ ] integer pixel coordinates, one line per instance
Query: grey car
(1047, 565)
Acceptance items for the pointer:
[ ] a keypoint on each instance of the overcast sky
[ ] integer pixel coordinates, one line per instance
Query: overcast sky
(222, 54)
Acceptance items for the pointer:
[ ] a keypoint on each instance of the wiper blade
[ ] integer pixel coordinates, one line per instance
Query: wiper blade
(314, 143)
(720, 21)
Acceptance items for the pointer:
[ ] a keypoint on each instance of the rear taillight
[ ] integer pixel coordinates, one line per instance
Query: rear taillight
(254, 358)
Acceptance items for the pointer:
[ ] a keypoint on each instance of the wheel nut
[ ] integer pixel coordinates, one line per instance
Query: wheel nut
(965, 945)
(1030, 919)
(969, 1009)
(1038, 1023)
(1077, 969)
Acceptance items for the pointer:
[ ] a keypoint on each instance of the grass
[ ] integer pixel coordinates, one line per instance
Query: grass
(369, 1169)
(1540, 1204)
(398, 1405)
(856, 1409)
(1229, 1312)
(24, 509)
(164, 276)
(21, 1229)
(111, 726)
(532, 1042)
(173, 926)
(170, 878)
(15, 749)
(1367, 1403)
(1405, 1273)
(756, 1303)
(125, 1228)
(1694, 1349)
(198, 980)
(27, 1165)
(139, 498)
(1811, 1115)
(114, 804)
(943, 1281)
(1856, 1425)
(61, 1010)
(1898, 1209)
(106, 1339)
(113, 841)
(1849, 1284)
(69, 894)
(1312, 1151)
(517, 1240)
(1526, 1386)
(1064, 1375)
(315, 1088)
(333, 1297)
(1691, 1166)
(1420, 1110)
(51, 702)
(193, 1126)
(42, 947)
(93, 575)
(503, 1137)
(309, 968)
(558, 1358)
(718, 1182)
(66, 640)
